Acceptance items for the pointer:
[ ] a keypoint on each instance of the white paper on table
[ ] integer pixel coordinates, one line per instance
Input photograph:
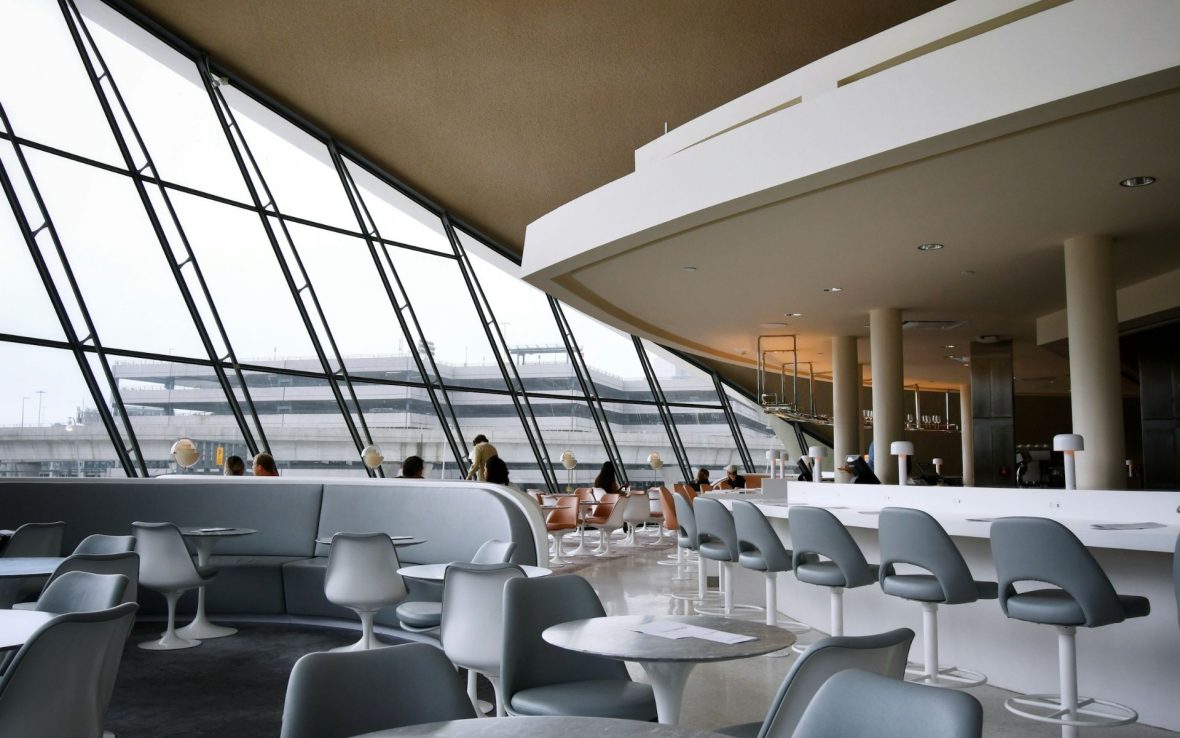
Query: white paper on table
(675, 631)
(1126, 526)
(719, 636)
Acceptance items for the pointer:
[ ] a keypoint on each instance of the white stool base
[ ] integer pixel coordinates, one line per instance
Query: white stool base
(171, 642)
(1047, 708)
(948, 677)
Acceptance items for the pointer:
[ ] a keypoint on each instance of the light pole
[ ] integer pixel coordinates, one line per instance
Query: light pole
(40, 404)
(23, 400)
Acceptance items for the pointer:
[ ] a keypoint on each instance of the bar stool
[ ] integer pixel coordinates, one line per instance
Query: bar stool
(1045, 551)
(913, 537)
(671, 521)
(718, 542)
(760, 549)
(688, 539)
(816, 532)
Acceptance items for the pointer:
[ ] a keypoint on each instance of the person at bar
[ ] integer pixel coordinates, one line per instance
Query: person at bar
(702, 480)
(733, 479)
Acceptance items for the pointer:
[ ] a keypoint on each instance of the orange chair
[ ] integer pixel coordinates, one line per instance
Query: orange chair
(582, 495)
(561, 521)
(607, 518)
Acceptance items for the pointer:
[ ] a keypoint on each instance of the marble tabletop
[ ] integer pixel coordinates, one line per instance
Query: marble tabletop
(541, 727)
(610, 636)
(436, 572)
(29, 566)
(396, 540)
(215, 532)
(17, 626)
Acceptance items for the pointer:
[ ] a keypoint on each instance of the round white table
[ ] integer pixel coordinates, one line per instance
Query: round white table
(204, 539)
(17, 626)
(436, 572)
(667, 662)
(29, 566)
(395, 540)
(541, 727)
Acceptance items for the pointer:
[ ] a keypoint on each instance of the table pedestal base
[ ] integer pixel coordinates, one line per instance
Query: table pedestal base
(668, 679)
(200, 628)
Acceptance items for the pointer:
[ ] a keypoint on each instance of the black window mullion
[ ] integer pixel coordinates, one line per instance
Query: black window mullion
(662, 406)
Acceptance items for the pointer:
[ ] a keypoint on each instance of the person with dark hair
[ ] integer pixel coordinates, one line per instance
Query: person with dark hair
(234, 466)
(735, 480)
(497, 472)
(412, 468)
(606, 480)
(479, 457)
(701, 480)
(264, 465)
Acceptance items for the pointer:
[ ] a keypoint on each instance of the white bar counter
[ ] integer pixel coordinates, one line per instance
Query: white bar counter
(1136, 662)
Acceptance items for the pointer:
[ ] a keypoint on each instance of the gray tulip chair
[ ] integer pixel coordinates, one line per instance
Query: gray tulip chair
(167, 567)
(60, 681)
(81, 591)
(97, 543)
(344, 693)
(30, 539)
(857, 704)
(816, 533)
(914, 538)
(362, 576)
(1176, 576)
(760, 549)
(686, 537)
(1044, 551)
(426, 614)
(472, 632)
(494, 552)
(883, 654)
(126, 563)
(538, 678)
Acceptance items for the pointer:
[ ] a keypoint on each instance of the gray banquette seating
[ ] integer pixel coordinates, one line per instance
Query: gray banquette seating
(279, 571)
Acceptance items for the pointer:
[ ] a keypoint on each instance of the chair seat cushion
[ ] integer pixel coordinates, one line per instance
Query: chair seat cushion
(1056, 607)
(744, 730)
(615, 698)
(420, 614)
(715, 551)
(207, 572)
(925, 588)
(825, 574)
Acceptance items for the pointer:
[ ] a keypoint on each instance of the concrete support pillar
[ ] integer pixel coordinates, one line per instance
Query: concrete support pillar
(845, 402)
(1095, 379)
(966, 420)
(888, 394)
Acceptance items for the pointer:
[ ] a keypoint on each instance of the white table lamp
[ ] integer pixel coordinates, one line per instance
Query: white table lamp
(817, 454)
(654, 461)
(938, 466)
(902, 450)
(1068, 444)
(185, 453)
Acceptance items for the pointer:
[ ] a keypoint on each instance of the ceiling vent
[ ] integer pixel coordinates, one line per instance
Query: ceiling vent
(931, 325)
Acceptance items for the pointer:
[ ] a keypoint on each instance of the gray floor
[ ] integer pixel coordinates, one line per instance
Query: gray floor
(732, 692)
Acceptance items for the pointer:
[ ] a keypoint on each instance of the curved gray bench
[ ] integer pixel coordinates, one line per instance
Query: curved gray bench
(278, 573)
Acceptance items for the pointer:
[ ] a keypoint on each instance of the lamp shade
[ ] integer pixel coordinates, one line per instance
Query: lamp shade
(371, 456)
(654, 460)
(1068, 442)
(771, 454)
(897, 448)
(568, 461)
(817, 452)
(937, 462)
(185, 453)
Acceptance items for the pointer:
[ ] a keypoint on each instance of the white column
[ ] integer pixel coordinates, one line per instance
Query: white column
(845, 402)
(1095, 380)
(966, 418)
(888, 419)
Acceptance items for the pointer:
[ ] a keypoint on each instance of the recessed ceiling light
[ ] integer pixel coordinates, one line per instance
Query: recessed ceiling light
(688, 268)
(773, 325)
(793, 315)
(949, 345)
(833, 289)
(1137, 181)
(930, 247)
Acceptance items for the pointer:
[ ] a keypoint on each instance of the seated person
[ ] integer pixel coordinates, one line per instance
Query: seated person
(702, 480)
(606, 480)
(264, 465)
(413, 468)
(497, 473)
(733, 479)
(234, 466)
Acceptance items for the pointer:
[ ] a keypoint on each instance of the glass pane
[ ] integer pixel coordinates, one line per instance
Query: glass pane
(610, 355)
(568, 426)
(639, 432)
(167, 401)
(49, 423)
(680, 380)
(304, 426)
(755, 427)
(707, 439)
(45, 89)
(168, 102)
(494, 416)
(25, 308)
(402, 422)
(125, 280)
(354, 300)
(397, 217)
(297, 168)
(442, 302)
(243, 273)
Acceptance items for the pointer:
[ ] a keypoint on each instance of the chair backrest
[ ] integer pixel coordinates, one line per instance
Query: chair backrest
(687, 519)
(344, 693)
(706, 487)
(636, 508)
(494, 552)
(1176, 576)
(531, 606)
(1043, 550)
(363, 566)
(606, 506)
(715, 524)
(97, 543)
(36, 539)
(755, 533)
(884, 654)
(472, 631)
(565, 515)
(126, 563)
(817, 532)
(889, 708)
(60, 681)
(163, 558)
(82, 591)
(913, 537)
(668, 508)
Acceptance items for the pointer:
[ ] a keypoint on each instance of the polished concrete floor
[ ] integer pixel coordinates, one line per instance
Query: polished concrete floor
(729, 692)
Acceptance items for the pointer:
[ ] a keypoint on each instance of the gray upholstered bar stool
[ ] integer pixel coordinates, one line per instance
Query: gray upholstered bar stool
(913, 537)
(718, 542)
(1045, 551)
(816, 533)
(687, 538)
(760, 549)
